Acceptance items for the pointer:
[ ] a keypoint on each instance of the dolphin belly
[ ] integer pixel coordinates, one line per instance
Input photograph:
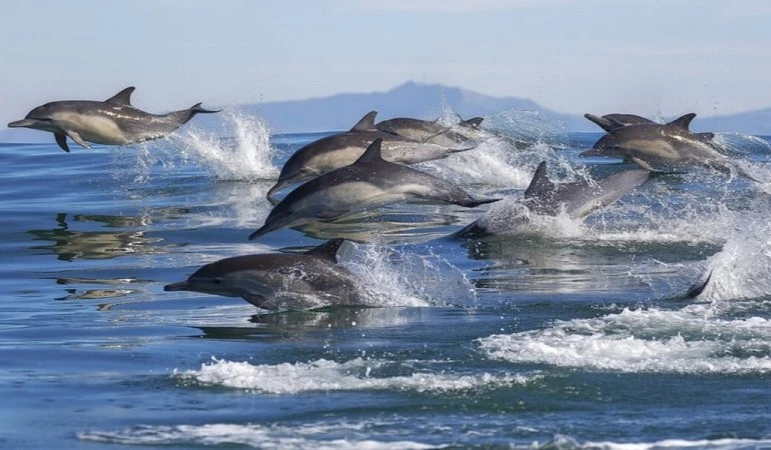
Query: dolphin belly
(98, 129)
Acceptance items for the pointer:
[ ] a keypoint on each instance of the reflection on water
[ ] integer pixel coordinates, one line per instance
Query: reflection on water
(291, 324)
(70, 245)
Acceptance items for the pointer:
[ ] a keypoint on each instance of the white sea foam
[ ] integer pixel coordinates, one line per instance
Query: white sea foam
(394, 278)
(740, 270)
(247, 155)
(690, 340)
(325, 375)
(275, 436)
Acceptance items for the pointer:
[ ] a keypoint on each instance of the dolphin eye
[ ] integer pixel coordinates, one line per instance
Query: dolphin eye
(216, 280)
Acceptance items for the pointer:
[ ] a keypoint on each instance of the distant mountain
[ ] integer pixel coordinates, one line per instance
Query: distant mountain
(423, 101)
(751, 122)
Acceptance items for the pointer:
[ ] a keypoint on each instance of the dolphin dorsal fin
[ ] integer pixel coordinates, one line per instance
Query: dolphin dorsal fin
(123, 97)
(372, 153)
(683, 121)
(367, 123)
(540, 183)
(326, 251)
(473, 122)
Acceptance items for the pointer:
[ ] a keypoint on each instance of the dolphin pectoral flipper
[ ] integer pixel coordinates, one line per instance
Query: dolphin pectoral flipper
(257, 300)
(76, 137)
(642, 164)
(61, 139)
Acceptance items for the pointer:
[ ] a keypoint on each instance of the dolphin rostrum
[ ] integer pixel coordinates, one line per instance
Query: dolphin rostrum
(279, 280)
(342, 149)
(369, 182)
(663, 144)
(546, 198)
(112, 122)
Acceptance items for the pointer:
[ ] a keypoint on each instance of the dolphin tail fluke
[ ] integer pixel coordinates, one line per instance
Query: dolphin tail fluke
(697, 288)
(185, 115)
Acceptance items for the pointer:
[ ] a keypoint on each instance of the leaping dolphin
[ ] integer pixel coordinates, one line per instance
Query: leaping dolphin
(546, 198)
(663, 144)
(369, 182)
(112, 122)
(276, 281)
(433, 132)
(342, 149)
(610, 122)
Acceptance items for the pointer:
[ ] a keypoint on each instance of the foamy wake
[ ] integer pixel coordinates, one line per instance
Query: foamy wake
(324, 375)
(690, 340)
(274, 436)
(247, 155)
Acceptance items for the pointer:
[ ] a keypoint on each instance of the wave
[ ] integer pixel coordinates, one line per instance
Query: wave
(690, 340)
(324, 375)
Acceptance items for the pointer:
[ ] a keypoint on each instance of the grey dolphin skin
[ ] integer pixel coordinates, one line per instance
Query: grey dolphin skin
(576, 199)
(418, 130)
(276, 281)
(112, 122)
(368, 183)
(342, 149)
(663, 144)
(610, 122)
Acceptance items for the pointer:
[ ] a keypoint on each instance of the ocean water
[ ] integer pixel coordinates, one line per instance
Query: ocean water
(565, 335)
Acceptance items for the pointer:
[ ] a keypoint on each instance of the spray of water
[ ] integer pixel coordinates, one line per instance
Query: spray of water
(392, 278)
(247, 155)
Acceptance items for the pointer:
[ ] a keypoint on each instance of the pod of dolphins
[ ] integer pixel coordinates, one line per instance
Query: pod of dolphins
(367, 167)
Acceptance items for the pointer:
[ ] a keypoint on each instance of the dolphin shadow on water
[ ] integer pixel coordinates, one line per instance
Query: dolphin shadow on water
(370, 182)
(114, 121)
(280, 281)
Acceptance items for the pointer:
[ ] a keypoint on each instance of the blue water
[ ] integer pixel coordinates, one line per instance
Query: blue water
(570, 335)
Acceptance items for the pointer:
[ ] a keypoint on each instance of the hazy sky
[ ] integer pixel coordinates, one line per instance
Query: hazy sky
(655, 56)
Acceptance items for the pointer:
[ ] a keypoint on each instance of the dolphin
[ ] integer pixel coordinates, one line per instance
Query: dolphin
(546, 198)
(369, 182)
(273, 281)
(432, 131)
(112, 122)
(342, 149)
(610, 122)
(664, 144)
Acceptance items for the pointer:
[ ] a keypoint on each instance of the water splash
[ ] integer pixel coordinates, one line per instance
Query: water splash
(246, 156)
(393, 278)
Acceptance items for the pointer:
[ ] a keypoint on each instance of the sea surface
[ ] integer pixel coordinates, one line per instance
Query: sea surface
(567, 334)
